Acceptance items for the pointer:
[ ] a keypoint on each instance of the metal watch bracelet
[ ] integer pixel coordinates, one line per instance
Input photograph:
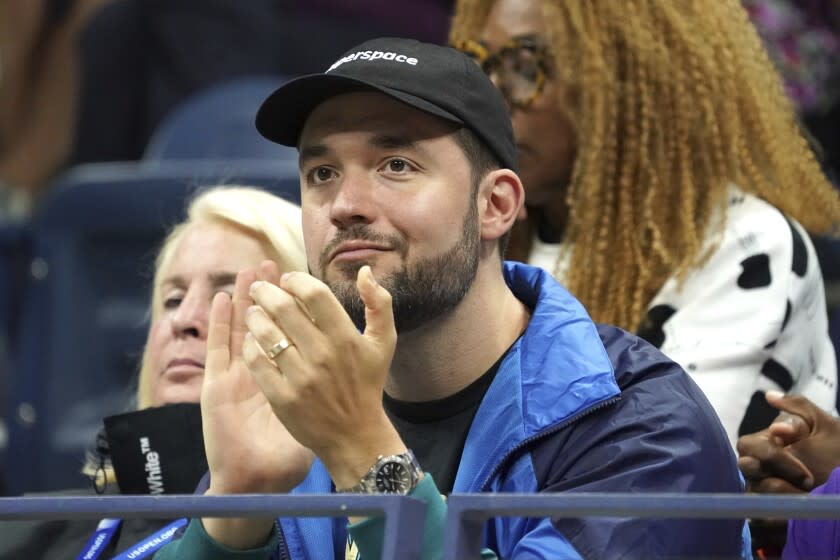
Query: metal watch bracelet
(391, 474)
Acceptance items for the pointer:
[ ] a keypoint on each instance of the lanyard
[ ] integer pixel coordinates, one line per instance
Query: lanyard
(106, 530)
(99, 540)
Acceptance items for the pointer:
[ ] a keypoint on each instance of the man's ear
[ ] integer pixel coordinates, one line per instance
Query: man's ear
(501, 202)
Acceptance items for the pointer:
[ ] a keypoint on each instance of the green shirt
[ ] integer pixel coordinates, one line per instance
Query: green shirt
(368, 535)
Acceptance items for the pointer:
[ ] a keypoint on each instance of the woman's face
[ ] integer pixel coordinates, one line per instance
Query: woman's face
(544, 133)
(205, 262)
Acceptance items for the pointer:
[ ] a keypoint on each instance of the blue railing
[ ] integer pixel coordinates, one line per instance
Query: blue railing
(468, 512)
(404, 516)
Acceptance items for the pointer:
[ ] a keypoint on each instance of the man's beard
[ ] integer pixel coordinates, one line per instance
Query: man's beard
(422, 290)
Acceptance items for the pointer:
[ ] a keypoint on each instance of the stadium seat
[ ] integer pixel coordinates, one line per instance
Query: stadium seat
(218, 123)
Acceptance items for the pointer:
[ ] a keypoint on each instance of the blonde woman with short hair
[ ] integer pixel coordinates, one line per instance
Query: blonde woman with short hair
(227, 229)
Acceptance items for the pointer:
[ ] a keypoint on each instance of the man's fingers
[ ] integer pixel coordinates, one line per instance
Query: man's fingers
(288, 316)
(762, 456)
(794, 404)
(218, 337)
(379, 312)
(271, 339)
(775, 485)
(317, 302)
(757, 445)
(269, 272)
(241, 302)
(270, 381)
(789, 428)
(750, 467)
(784, 465)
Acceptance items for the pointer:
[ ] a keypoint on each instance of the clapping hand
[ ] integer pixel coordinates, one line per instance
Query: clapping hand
(248, 448)
(323, 378)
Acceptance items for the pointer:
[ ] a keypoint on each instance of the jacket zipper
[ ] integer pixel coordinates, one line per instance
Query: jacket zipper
(553, 430)
(282, 548)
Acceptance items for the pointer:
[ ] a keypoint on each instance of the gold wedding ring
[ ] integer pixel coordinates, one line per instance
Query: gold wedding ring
(278, 348)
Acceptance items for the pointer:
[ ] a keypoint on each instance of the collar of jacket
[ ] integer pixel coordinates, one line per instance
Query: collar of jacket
(558, 369)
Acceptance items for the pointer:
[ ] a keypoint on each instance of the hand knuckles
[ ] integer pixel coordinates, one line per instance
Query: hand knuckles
(277, 306)
(775, 486)
(253, 320)
(798, 401)
(311, 292)
(261, 331)
(750, 444)
(751, 471)
(801, 406)
(322, 359)
(308, 388)
(774, 457)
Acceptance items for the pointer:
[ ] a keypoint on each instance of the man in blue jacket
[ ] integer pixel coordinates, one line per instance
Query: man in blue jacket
(412, 334)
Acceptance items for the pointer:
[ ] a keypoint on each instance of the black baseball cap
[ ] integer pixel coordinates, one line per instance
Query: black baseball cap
(438, 80)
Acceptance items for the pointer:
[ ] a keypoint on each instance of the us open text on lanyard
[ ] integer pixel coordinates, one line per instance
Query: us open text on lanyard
(100, 540)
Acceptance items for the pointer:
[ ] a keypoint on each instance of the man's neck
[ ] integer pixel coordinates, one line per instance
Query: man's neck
(441, 358)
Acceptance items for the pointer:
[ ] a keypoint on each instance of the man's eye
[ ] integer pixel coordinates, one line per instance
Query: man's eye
(321, 174)
(398, 166)
(172, 302)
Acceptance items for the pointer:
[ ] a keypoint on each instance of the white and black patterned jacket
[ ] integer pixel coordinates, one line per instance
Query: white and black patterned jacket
(753, 318)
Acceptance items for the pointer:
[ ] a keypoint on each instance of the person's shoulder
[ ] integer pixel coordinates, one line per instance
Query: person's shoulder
(651, 382)
(756, 231)
(757, 243)
(660, 413)
(748, 216)
(633, 358)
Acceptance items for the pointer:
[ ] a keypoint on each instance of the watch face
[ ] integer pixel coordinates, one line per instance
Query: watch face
(393, 478)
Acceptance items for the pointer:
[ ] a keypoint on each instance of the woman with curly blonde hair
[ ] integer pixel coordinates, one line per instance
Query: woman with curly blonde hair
(666, 181)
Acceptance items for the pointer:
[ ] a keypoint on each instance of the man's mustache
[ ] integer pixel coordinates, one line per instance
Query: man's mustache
(361, 232)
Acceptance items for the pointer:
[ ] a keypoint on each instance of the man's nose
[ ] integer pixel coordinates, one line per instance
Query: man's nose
(354, 202)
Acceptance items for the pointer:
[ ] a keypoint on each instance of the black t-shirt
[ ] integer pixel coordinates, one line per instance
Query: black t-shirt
(437, 430)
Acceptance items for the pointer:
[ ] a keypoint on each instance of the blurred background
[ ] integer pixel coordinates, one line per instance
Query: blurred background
(112, 112)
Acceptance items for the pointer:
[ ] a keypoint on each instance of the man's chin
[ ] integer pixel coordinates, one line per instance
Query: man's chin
(341, 272)
(341, 275)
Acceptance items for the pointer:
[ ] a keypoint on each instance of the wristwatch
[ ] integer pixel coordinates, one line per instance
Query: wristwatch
(392, 474)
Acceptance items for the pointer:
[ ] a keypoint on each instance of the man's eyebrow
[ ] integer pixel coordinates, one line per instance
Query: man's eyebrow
(393, 141)
(397, 142)
(380, 141)
(310, 152)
